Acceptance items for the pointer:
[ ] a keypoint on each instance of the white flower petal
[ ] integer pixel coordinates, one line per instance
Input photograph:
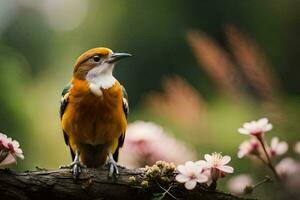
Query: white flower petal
(9, 140)
(190, 166)
(201, 163)
(248, 125)
(201, 178)
(182, 178)
(268, 127)
(238, 183)
(226, 169)
(15, 144)
(262, 122)
(225, 160)
(241, 154)
(274, 142)
(282, 148)
(191, 184)
(181, 169)
(20, 156)
(243, 131)
(19, 151)
(208, 158)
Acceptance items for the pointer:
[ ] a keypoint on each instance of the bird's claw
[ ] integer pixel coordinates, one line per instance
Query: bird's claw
(76, 168)
(113, 168)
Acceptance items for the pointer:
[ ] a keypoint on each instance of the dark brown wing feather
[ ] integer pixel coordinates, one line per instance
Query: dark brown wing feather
(126, 111)
(63, 104)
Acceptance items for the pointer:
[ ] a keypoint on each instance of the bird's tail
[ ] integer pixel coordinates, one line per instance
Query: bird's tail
(93, 156)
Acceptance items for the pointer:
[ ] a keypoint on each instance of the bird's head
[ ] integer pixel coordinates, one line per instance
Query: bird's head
(96, 63)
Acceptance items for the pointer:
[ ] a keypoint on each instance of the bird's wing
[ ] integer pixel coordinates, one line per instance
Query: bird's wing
(64, 99)
(125, 102)
(63, 104)
(126, 111)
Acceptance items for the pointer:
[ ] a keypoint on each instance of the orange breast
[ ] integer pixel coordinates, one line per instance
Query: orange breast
(91, 119)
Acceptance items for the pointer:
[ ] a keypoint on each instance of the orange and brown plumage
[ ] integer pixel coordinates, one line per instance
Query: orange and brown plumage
(94, 110)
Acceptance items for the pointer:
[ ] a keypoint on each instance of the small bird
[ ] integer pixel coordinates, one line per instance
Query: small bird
(93, 111)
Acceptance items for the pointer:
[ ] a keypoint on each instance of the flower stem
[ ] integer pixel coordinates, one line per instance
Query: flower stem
(250, 188)
(261, 159)
(269, 162)
(265, 180)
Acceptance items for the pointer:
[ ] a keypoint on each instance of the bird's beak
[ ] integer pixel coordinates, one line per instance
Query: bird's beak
(117, 56)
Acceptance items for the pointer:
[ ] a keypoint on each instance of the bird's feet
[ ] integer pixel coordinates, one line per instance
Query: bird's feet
(113, 168)
(76, 168)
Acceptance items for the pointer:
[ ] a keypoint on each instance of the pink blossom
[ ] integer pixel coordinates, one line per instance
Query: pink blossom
(297, 147)
(14, 148)
(238, 183)
(216, 164)
(277, 148)
(287, 167)
(147, 142)
(3, 140)
(256, 128)
(248, 147)
(190, 174)
(289, 170)
(10, 150)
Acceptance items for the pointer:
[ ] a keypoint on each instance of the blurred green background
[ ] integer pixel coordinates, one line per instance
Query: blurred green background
(186, 51)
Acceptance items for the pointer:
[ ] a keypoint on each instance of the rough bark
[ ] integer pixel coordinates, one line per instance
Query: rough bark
(91, 184)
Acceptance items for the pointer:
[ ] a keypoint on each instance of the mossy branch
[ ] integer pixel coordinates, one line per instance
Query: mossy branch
(91, 184)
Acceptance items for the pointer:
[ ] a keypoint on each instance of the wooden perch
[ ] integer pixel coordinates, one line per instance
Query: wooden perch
(91, 184)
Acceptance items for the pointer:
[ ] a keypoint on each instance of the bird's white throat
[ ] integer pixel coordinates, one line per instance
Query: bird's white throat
(100, 77)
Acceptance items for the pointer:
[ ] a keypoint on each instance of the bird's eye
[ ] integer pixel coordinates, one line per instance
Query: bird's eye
(96, 58)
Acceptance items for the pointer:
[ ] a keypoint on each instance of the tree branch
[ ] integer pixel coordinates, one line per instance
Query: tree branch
(91, 184)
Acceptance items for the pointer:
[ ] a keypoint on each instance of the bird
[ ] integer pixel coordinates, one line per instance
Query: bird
(93, 111)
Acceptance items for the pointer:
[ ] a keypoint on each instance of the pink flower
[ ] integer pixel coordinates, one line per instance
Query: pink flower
(147, 142)
(10, 150)
(287, 167)
(256, 128)
(3, 140)
(238, 183)
(248, 147)
(277, 148)
(14, 148)
(190, 174)
(297, 147)
(216, 164)
(289, 171)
